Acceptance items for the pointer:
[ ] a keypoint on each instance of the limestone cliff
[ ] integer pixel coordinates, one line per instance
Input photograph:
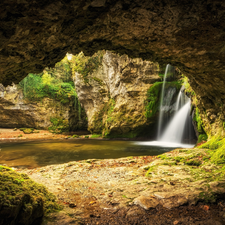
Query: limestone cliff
(187, 34)
(114, 97)
(16, 112)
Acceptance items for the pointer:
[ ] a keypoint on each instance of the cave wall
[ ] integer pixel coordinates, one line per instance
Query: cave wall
(18, 112)
(114, 98)
(188, 34)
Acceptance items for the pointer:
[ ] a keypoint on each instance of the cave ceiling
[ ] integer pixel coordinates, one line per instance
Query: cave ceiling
(189, 34)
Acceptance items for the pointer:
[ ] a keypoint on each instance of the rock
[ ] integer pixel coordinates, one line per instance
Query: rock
(15, 111)
(115, 106)
(134, 212)
(146, 202)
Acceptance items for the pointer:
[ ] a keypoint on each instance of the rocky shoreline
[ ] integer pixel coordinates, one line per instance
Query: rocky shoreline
(135, 187)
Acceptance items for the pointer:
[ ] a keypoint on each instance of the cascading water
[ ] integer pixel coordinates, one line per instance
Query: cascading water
(161, 111)
(174, 131)
(178, 101)
(180, 128)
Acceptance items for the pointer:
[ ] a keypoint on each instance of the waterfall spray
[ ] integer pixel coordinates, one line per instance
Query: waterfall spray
(161, 112)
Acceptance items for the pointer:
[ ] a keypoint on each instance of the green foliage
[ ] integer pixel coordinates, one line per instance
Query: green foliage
(153, 99)
(59, 125)
(75, 136)
(95, 135)
(36, 87)
(199, 122)
(216, 143)
(202, 137)
(86, 65)
(193, 162)
(86, 136)
(219, 156)
(188, 88)
(18, 190)
(28, 130)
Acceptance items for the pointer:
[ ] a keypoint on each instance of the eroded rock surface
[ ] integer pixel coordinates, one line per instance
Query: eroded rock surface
(114, 98)
(187, 34)
(112, 184)
(17, 112)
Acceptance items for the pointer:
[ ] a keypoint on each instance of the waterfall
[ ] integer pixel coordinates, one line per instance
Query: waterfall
(174, 131)
(161, 111)
(178, 101)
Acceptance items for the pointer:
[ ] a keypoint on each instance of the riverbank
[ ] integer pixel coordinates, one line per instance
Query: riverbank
(178, 187)
(11, 135)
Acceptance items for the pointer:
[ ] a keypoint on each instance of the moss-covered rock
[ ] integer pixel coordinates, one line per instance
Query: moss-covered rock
(22, 201)
(114, 97)
(27, 130)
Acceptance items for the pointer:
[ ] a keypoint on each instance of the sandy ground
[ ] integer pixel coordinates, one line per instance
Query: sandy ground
(9, 135)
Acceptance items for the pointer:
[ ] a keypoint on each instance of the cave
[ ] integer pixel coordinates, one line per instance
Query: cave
(187, 34)
(190, 36)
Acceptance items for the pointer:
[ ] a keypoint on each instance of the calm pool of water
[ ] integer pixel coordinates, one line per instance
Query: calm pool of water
(42, 153)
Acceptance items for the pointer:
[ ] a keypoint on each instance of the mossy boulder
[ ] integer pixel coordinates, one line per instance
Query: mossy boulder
(217, 145)
(22, 201)
(27, 130)
(59, 125)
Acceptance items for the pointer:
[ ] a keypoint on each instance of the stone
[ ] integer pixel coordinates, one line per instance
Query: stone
(188, 35)
(121, 111)
(146, 202)
(17, 112)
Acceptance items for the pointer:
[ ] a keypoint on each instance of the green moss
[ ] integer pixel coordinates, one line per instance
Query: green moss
(59, 125)
(95, 135)
(38, 86)
(85, 65)
(153, 99)
(199, 122)
(219, 156)
(150, 170)
(18, 189)
(75, 136)
(28, 130)
(202, 137)
(214, 143)
(99, 81)
(153, 96)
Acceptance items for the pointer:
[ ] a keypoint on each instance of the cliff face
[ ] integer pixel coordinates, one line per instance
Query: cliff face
(16, 112)
(186, 34)
(114, 99)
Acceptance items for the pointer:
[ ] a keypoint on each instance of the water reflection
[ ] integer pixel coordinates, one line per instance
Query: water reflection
(36, 154)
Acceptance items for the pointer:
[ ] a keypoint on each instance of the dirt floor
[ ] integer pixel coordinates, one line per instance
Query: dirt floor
(105, 192)
(11, 135)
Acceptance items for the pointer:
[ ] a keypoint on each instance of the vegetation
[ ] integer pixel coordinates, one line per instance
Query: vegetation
(95, 135)
(38, 86)
(201, 166)
(154, 94)
(18, 191)
(27, 130)
(188, 89)
(153, 99)
(85, 65)
(217, 144)
(59, 125)
(202, 137)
